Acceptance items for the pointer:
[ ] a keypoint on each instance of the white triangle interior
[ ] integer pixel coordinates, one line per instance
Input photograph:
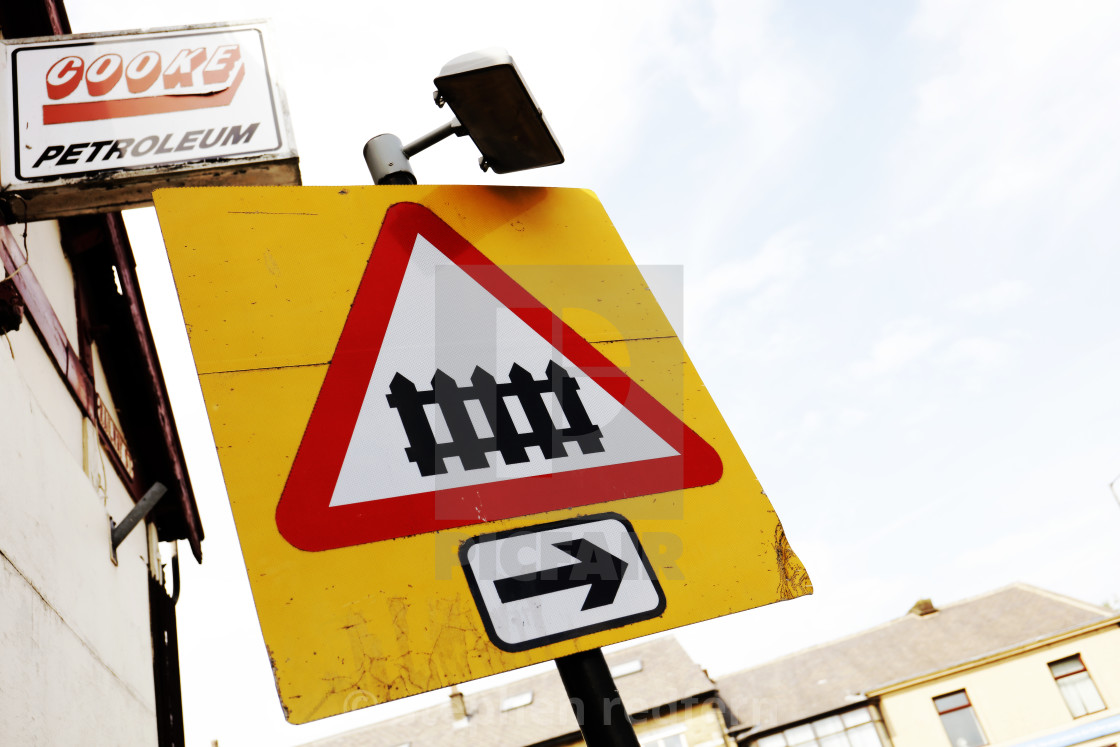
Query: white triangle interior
(443, 319)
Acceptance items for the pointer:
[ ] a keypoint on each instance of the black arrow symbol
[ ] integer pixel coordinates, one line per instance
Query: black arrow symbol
(596, 568)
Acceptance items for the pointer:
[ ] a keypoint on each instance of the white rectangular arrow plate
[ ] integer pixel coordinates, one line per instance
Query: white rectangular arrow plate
(551, 582)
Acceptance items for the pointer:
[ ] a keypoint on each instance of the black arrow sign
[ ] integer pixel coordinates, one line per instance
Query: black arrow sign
(596, 568)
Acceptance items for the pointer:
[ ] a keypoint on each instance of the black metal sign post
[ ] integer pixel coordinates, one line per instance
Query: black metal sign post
(595, 701)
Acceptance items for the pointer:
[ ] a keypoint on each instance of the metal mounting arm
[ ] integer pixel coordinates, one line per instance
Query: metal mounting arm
(440, 133)
(117, 532)
(387, 158)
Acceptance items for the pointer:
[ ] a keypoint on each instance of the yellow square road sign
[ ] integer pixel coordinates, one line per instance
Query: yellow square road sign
(458, 434)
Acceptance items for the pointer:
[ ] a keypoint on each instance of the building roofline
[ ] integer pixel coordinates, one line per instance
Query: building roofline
(699, 698)
(979, 661)
(1061, 598)
(652, 646)
(649, 714)
(968, 600)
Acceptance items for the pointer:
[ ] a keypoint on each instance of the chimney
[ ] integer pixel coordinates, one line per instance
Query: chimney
(458, 706)
(922, 608)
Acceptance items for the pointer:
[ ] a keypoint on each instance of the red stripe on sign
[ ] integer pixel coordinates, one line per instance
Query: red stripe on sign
(304, 515)
(91, 111)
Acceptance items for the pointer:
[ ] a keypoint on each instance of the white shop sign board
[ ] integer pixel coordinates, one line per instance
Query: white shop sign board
(96, 121)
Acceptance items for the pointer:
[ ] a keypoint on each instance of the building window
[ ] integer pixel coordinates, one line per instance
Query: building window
(858, 728)
(1076, 686)
(677, 740)
(959, 720)
(670, 737)
(517, 701)
(627, 667)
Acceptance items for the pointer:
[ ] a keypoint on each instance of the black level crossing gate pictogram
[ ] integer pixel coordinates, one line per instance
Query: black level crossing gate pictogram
(472, 449)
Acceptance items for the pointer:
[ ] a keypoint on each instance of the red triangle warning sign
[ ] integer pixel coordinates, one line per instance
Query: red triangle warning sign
(454, 397)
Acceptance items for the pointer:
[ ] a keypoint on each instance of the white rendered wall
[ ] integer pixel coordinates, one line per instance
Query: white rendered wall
(75, 641)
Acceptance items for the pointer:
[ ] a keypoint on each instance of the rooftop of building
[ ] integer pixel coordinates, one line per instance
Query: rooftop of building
(838, 674)
(535, 710)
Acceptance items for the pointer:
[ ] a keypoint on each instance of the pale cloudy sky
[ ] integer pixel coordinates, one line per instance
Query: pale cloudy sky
(894, 227)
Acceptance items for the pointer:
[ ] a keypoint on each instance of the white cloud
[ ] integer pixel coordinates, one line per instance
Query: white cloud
(763, 277)
(903, 343)
(1012, 105)
(1004, 295)
(742, 66)
(978, 354)
(906, 343)
(738, 95)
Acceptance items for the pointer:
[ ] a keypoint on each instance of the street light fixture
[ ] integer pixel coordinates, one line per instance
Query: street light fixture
(492, 104)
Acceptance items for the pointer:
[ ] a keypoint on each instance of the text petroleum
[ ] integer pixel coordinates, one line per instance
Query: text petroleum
(107, 150)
